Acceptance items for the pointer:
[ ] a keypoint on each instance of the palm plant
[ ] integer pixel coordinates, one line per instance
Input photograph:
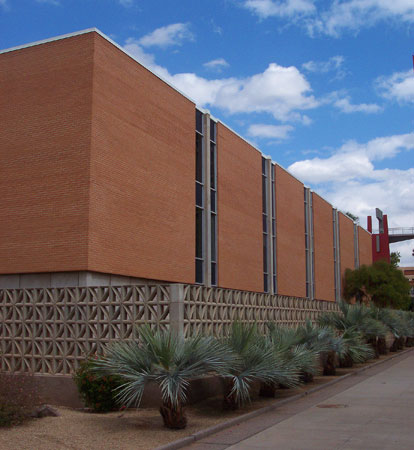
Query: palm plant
(253, 359)
(356, 316)
(299, 356)
(325, 342)
(356, 349)
(166, 359)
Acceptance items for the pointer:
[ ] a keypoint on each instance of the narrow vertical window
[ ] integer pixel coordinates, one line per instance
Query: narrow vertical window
(213, 200)
(273, 230)
(309, 244)
(199, 201)
(265, 227)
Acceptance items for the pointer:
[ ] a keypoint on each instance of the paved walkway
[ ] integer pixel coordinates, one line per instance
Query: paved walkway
(371, 410)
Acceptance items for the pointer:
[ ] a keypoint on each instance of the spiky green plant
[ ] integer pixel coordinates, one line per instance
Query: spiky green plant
(355, 348)
(356, 316)
(253, 359)
(303, 346)
(324, 341)
(166, 359)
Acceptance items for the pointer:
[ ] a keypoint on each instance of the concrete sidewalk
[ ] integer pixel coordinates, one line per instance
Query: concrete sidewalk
(372, 410)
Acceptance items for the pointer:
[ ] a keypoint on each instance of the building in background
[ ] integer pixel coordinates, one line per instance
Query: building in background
(111, 176)
(384, 236)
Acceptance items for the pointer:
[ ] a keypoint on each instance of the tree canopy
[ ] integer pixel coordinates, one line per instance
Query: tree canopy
(382, 283)
(395, 258)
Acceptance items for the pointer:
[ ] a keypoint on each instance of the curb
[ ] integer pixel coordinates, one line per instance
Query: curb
(198, 435)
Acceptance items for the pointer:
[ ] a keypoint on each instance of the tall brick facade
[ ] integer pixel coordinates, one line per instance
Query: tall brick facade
(240, 253)
(364, 245)
(98, 161)
(346, 229)
(324, 251)
(45, 137)
(290, 234)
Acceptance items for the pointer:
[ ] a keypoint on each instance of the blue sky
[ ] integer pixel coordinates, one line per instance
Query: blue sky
(324, 87)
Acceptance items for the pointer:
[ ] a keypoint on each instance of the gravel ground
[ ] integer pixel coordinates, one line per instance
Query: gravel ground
(133, 429)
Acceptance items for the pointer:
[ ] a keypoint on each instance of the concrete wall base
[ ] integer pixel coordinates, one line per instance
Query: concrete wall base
(67, 279)
(61, 390)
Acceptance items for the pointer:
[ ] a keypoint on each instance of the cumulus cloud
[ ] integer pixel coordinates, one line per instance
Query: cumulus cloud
(216, 64)
(399, 86)
(331, 64)
(349, 180)
(334, 64)
(51, 2)
(174, 34)
(280, 91)
(352, 161)
(337, 16)
(345, 105)
(269, 131)
(268, 8)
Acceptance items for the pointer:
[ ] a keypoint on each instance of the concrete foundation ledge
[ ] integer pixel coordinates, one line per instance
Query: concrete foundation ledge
(61, 390)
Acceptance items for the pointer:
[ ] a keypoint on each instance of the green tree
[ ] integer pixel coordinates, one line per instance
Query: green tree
(395, 258)
(382, 283)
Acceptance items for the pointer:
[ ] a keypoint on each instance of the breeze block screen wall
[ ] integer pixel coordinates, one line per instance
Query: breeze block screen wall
(98, 186)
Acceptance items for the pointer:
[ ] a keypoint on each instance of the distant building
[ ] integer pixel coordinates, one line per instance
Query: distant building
(409, 274)
(110, 176)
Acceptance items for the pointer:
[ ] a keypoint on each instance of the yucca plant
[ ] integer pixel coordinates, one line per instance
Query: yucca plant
(324, 341)
(299, 354)
(166, 359)
(252, 360)
(355, 348)
(358, 317)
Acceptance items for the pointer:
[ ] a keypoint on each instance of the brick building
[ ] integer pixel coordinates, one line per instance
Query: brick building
(111, 176)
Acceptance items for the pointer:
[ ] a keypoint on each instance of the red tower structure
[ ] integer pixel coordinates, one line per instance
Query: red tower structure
(380, 240)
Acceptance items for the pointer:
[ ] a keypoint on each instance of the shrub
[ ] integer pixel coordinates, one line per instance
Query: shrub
(18, 398)
(97, 392)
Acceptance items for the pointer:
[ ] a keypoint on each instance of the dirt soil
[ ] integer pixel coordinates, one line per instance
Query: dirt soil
(133, 429)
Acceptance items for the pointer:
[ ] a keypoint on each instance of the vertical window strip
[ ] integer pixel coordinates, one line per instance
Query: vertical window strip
(305, 196)
(265, 227)
(273, 231)
(213, 200)
(356, 246)
(337, 262)
(312, 245)
(199, 185)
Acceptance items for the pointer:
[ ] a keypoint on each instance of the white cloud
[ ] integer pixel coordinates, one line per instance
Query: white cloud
(173, 34)
(337, 16)
(268, 8)
(269, 131)
(331, 64)
(399, 86)
(280, 91)
(51, 2)
(350, 181)
(352, 161)
(345, 105)
(216, 64)
(126, 3)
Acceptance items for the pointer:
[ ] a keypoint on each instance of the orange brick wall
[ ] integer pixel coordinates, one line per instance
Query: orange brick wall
(290, 234)
(142, 214)
(45, 131)
(365, 247)
(323, 249)
(346, 244)
(240, 251)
